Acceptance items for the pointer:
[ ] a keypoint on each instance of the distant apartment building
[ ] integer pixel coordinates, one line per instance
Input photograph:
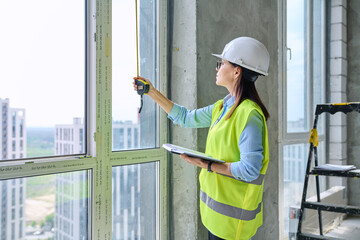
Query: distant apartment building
(69, 138)
(71, 206)
(125, 135)
(295, 157)
(13, 134)
(71, 193)
(71, 209)
(133, 189)
(12, 192)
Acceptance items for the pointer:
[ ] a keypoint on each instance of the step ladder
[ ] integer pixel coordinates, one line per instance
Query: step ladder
(324, 108)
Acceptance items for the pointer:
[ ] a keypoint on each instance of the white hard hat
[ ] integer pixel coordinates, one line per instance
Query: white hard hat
(248, 53)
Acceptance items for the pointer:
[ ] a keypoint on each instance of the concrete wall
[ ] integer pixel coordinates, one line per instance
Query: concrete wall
(353, 90)
(200, 28)
(184, 190)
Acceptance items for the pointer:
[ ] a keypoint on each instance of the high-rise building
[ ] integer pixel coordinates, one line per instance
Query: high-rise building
(125, 135)
(69, 138)
(71, 199)
(133, 189)
(13, 134)
(71, 193)
(12, 192)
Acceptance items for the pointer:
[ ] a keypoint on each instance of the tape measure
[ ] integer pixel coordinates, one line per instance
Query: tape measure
(142, 86)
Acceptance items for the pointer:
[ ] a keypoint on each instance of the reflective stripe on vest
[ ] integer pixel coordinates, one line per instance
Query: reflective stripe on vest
(257, 181)
(228, 210)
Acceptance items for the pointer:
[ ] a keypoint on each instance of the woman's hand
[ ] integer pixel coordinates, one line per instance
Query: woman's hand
(222, 168)
(195, 161)
(155, 95)
(144, 79)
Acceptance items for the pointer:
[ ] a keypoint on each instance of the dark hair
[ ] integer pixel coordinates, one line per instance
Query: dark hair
(245, 89)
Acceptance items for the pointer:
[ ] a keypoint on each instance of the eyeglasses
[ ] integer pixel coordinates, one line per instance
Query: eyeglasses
(219, 64)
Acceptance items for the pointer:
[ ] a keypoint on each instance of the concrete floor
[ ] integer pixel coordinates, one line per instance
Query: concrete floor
(349, 229)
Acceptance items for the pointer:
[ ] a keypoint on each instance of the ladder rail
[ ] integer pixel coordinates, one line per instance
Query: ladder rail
(308, 165)
(306, 181)
(318, 191)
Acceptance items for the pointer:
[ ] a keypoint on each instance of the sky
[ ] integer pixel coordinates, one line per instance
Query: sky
(295, 66)
(125, 100)
(42, 59)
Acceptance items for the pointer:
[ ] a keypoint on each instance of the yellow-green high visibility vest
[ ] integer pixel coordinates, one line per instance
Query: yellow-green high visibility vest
(231, 208)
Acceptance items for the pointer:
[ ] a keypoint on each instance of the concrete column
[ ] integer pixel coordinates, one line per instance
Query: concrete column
(184, 186)
(200, 28)
(338, 81)
(353, 91)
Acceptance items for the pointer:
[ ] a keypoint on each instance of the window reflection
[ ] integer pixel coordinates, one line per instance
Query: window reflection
(45, 207)
(134, 201)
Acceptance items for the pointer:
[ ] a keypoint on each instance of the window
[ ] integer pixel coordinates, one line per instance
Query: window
(44, 195)
(304, 88)
(134, 201)
(135, 174)
(126, 102)
(14, 124)
(50, 51)
(13, 200)
(21, 128)
(67, 140)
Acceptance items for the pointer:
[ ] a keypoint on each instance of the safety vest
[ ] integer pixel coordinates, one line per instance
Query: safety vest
(231, 208)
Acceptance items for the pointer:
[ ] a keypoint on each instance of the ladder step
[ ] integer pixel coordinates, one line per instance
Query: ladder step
(333, 207)
(353, 173)
(308, 236)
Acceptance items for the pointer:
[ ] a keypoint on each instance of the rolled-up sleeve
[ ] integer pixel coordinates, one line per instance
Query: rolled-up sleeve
(251, 149)
(197, 118)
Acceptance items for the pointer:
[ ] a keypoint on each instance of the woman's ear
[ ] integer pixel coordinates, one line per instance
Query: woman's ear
(237, 72)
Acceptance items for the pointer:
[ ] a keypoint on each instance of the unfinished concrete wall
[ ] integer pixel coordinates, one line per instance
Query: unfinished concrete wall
(338, 80)
(184, 190)
(353, 92)
(218, 23)
(200, 28)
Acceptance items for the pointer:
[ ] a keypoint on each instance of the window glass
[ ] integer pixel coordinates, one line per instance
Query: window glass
(42, 71)
(125, 101)
(45, 207)
(305, 88)
(134, 201)
(295, 74)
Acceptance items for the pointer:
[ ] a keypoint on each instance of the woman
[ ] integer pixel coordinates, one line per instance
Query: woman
(231, 192)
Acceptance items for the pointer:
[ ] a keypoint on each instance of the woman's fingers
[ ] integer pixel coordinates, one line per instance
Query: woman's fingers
(194, 161)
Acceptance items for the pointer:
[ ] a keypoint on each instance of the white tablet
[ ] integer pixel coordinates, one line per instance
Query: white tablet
(181, 150)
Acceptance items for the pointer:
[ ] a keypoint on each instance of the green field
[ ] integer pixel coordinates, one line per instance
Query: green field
(40, 142)
(40, 186)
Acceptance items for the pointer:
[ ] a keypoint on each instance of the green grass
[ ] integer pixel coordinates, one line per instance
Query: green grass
(40, 186)
(40, 142)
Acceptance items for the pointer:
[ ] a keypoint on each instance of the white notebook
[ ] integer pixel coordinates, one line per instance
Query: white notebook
(181, 150)
(332, 167)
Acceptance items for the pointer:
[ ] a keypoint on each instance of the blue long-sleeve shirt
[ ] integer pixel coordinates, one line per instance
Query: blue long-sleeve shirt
(250, 142)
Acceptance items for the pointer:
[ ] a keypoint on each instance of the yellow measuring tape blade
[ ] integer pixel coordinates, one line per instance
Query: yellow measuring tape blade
(345, 103)
(314, 139)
